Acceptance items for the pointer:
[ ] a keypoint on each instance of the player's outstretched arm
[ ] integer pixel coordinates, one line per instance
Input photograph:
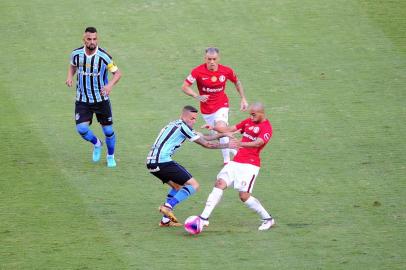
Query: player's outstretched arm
(221, 129)
(216, 145)
(212, 137)
(255, 144)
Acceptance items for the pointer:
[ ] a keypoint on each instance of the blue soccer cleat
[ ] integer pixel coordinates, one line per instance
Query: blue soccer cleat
(97, 152)
(111, 162)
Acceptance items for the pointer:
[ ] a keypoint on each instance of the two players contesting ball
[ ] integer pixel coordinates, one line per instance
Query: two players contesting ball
(240, 173)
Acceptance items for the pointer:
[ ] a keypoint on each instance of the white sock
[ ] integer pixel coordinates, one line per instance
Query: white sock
(225, 152)
(212, 201)
(255, 205)
(233, 152)
(165, 220)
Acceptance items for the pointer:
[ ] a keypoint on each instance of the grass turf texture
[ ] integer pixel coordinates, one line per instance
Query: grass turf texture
(332, 74)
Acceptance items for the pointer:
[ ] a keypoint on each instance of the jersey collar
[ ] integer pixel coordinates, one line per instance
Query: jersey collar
(95, 51)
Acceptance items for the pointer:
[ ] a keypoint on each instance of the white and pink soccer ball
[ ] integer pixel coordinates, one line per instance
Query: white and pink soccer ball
(193, 225)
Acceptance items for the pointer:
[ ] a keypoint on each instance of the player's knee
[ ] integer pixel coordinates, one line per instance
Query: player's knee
(108, 131)
(220, 123)
(193, 183)
(221, 184)
(196, 186)
(244, 196)
(82, 128)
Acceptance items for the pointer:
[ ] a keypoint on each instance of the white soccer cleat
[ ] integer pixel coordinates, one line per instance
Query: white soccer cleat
(267, 224)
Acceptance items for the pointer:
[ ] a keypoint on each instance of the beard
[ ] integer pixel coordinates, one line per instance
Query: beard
(91, 47)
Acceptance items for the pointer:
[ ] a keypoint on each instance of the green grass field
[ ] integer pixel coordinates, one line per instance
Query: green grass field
(331, 73)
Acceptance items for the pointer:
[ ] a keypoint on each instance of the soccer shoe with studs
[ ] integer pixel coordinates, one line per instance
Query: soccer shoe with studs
(267, 224)
(111, 162)
(167, 211)
(170, 223)
(97, 153)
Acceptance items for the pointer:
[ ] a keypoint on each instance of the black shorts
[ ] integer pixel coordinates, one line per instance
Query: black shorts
(170, 171)
(84, 112)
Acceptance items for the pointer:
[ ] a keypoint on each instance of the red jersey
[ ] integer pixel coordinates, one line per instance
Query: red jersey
(212, 83)
(251, 131)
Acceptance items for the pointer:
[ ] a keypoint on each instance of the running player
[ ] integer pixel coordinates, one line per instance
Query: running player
(93, 88)
(211, 78)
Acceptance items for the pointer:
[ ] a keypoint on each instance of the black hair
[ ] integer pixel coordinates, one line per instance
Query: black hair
(91, 29)
(190, 109)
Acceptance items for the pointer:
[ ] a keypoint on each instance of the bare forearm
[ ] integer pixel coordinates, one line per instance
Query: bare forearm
(254, 144)
(210, 145)
(212, 137)
(71, 72)
(69, 76)
(189, 91)
(116, 77)
(240, 89)
(224, 129)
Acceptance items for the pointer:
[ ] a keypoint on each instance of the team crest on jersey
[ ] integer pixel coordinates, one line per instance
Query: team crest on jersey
(256, 129)
(222, 78)
(243, 183)
(214, 79)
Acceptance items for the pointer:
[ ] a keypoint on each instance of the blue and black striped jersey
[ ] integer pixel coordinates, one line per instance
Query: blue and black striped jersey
(169, 140)
(92, 73)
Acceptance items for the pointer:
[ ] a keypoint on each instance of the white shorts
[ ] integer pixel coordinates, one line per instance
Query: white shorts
(220, 115)
(239, 175)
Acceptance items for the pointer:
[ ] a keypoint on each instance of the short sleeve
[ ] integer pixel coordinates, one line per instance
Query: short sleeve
(191, 78)
(72, 59)
(266, 133)
(189, 133)
(232, 76)
(112, 66)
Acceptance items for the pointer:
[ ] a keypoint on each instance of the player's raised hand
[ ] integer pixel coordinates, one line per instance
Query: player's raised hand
(243, 104)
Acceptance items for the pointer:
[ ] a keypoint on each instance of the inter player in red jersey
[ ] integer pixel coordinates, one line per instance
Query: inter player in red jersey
(211, 78)
(243, 170)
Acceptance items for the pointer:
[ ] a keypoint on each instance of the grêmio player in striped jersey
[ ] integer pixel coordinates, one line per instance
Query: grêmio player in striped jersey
(91, 65)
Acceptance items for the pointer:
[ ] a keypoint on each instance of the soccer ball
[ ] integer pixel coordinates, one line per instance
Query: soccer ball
(193, 225)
